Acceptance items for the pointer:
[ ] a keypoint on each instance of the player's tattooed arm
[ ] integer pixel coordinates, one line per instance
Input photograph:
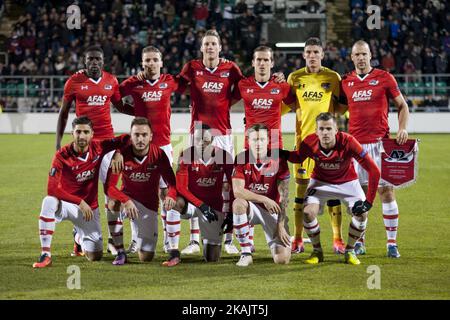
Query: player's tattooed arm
(281, 233)
(283, 189)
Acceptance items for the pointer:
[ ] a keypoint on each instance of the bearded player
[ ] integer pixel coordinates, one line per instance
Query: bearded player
(93, 90)
(72, 192)
(145, 164)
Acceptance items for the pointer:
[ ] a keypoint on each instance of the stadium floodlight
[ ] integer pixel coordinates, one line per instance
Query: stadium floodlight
(290, 45)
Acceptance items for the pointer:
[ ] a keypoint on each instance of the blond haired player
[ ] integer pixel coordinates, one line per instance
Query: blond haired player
(317, 91)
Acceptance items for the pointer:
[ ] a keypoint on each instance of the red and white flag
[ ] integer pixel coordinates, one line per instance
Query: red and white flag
(399, 163)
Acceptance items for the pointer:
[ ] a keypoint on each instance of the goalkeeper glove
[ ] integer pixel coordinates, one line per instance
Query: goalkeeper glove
(360, 207)
(208, 212)
(227, 223)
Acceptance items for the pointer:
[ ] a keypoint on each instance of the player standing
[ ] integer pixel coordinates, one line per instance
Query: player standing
(72, 192)
(261, 189)
(366, 91)
(93, 91)
(144, 165)
(263, 96)
(334, 177)
(199, 184)
(317, 90)
(211, 81)
(151, 100)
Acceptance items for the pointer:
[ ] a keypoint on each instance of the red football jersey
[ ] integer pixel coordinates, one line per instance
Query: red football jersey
(335, 166)
(201, 182)
(74, 177)
(261, 177)
(93, 99)
(140, 178)
(263, 104)
(152, 101)
(368, 102)
(211, 92)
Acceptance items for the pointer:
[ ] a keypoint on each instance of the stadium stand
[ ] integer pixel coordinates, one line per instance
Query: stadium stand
(413, 41)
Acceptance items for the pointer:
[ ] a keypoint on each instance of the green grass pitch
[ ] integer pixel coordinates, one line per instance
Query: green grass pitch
(422, 272)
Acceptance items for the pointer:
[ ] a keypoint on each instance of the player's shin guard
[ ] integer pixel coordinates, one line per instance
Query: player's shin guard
(115, 227)
(47, 223)
(313, 231)
(251, 233)
(390, 217)
(356, 230)
(334, 209)
(300, 190)
(195, 229)
(164, 223)
(226, 210)
(242, 229)
(173, 229)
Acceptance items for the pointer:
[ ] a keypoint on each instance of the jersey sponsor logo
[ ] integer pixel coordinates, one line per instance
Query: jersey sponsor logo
(259, 187)
(275, 91)
(163, 85)
(96, 100)
(206, 182)
(373, 82)
(151, 96)
(85, 175)
(140, 176)
(225, 74)
(84, 87)
(329, 166)
(326, 85)
(362, 95)
(262, 103)
(312, 96)
(212, 87)
(108, 87)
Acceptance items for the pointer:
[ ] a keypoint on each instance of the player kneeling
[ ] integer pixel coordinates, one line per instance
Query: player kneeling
(144, 165)
(199, 177)
(73, 191)
(260, 182)
(334, 177)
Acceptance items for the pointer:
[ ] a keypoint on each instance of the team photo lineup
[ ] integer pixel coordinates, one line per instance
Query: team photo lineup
(246, 199)
(217, 196)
